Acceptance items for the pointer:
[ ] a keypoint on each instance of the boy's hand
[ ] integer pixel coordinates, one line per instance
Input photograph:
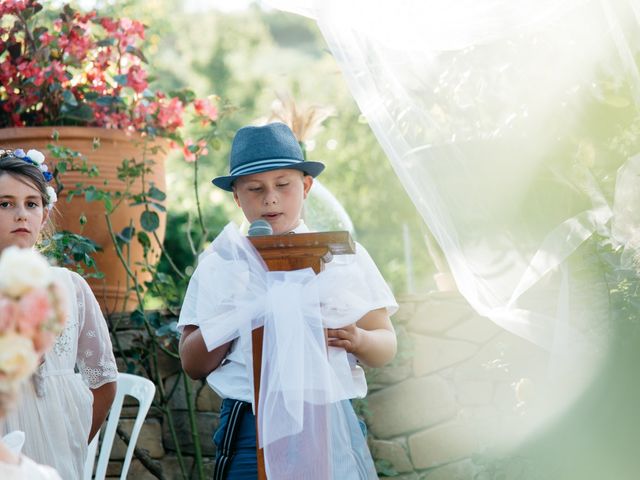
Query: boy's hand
(348, 337)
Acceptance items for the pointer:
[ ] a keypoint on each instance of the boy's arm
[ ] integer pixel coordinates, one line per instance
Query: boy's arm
(371, 339)
(196, 360)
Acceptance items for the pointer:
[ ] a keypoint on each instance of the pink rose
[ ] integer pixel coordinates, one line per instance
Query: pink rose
(43, 340)
(36, 310)
(8, 314)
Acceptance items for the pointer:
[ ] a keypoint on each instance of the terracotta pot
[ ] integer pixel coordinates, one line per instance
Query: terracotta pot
(115, 146)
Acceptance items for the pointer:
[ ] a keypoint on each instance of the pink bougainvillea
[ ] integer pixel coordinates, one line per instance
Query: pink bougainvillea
(84, 69)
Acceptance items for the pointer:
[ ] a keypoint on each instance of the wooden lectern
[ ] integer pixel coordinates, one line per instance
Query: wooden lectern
(285, 253)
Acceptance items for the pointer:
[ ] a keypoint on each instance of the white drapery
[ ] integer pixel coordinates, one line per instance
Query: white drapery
(501, 119)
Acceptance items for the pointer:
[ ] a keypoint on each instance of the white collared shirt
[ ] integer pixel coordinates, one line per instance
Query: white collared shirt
(232, 378)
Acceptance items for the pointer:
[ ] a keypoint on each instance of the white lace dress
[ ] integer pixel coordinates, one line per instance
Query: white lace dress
(55, 409)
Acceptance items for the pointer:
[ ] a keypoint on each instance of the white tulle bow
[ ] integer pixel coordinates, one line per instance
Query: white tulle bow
(303, 381)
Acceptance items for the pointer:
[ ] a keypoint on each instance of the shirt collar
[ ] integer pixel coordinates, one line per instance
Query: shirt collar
(301, 228)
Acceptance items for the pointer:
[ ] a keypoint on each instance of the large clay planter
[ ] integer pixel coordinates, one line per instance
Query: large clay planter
(115, 146)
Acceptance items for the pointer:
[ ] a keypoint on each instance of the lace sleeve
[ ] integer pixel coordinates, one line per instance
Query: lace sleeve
(95, 359)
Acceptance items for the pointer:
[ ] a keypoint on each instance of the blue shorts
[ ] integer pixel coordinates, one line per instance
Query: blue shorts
(242, 463)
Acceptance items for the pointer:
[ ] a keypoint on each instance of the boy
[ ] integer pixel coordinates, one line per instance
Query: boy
(270, 180)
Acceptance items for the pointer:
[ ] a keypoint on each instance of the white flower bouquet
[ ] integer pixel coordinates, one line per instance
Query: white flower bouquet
(32, 313)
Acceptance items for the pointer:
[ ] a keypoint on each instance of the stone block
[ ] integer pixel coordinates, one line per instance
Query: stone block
(178, 400)
(476, 329)
(150, 439)
(473, 392)
(432, 354)
(168, 365)
(505, 358)
(171, 468)
(405, 312)
(411, 405)
(407, 476)
(442, 444)
(462, 470)
(388, 375)
(132, 339)
(439, 312)
(136, 470)
(206, 423)
(394, 452)
(207, 400)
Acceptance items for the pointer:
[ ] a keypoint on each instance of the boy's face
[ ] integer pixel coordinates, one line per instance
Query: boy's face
(275, 196)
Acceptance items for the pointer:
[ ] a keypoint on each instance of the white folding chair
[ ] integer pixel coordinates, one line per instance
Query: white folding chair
(141, 389)
(14, 441)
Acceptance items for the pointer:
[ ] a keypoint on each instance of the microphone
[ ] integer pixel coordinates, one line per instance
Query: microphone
(260, 227)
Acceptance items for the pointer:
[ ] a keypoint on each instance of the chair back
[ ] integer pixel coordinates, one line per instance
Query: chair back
(141, 389)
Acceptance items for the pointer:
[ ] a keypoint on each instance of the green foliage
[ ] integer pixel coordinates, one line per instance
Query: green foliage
(71, 249)
(249, 57)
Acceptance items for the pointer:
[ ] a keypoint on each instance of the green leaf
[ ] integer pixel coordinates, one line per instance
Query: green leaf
(137, 52)
(69, 98)
(144, 240)
(126, 234)
(137, 318)
(108, 100)
(107, 42)
(156, 194)
(91, 195)
(169, 328)
(150, 221)
(121, 79)
(185, 95)
(82, 113)
(158, 206)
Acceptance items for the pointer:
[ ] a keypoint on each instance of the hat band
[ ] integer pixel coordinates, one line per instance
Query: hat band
(259, 166)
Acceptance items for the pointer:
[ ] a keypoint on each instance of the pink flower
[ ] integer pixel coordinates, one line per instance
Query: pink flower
(192, 151)
(42, 340)
(205, 108)
(36, 310)
(170, 114)
(8, 314)
(46, 39)
(137, 79)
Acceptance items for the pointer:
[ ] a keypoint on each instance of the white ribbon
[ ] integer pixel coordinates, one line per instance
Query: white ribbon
(302, 381)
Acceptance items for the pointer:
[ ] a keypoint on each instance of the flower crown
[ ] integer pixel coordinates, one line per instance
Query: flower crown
(35, 158)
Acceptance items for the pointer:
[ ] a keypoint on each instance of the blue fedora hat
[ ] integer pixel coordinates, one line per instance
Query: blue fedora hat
(261, 149)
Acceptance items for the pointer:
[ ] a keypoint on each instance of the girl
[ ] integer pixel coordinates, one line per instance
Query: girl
(58, 412)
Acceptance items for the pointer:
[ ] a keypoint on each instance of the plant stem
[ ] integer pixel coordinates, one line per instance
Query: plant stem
(195, 188)
(195, 435)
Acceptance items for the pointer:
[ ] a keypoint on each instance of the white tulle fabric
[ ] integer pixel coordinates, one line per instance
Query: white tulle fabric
(304, 426)
(55, 409)
(488, 111)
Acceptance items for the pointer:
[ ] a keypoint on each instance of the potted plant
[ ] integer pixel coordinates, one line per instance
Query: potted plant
(77, 85)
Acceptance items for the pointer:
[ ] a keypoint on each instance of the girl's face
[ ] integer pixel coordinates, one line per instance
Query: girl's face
(275, 196)
(22, 212)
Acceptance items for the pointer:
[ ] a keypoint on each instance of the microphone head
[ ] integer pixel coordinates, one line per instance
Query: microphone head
(260, 227)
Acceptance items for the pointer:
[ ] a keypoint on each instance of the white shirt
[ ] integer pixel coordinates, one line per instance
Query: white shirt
(231, 378)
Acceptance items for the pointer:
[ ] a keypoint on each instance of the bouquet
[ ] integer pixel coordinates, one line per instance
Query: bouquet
(32, 313)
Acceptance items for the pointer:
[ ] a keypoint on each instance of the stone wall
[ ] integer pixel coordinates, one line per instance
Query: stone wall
(456, 388)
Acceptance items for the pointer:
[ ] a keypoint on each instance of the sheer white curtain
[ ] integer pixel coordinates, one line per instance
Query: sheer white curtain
(500, 118)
